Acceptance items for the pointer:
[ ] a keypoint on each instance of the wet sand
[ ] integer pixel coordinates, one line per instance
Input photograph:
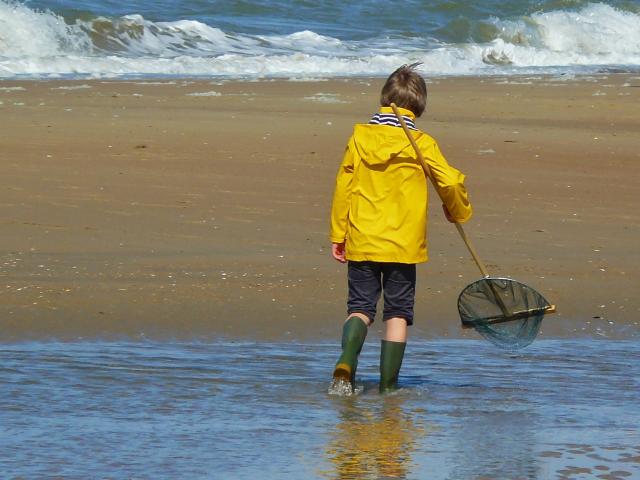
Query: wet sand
(195, 209)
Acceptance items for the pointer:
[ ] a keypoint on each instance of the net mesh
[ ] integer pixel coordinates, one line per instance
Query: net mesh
(504, 311)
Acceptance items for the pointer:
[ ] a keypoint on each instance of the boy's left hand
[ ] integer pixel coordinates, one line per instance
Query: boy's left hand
(337, 250)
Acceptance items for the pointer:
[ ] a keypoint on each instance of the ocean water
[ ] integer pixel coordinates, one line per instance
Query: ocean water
(301, 39)
(560, 409)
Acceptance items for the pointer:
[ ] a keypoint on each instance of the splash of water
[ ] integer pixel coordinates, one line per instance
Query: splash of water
(343, 388)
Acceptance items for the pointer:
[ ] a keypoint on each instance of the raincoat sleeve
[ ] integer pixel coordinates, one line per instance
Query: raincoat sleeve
(342, 196)
(449, 183)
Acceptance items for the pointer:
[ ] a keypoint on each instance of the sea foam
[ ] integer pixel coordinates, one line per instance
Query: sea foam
(42, 44)
(591, 36)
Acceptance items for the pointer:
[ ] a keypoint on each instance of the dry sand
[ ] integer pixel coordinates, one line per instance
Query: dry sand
(195, 209)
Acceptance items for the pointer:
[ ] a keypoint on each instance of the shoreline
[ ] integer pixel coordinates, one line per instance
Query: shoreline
(136, 207)
(562, 73)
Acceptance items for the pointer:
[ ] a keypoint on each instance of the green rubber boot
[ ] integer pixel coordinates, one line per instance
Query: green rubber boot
(391, 354)
(353, 335)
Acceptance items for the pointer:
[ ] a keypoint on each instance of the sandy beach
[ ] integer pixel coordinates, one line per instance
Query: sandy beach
(198, 209)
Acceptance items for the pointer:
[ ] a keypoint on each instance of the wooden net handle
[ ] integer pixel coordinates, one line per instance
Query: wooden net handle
(427, 171)
(465, 238)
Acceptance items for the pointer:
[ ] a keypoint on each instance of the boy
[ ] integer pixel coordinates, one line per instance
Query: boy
(378, 222)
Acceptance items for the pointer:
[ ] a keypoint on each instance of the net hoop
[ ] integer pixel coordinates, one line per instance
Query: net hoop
(541, 305)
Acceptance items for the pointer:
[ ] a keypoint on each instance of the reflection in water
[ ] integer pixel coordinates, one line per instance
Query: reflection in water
(495, 443)
(374, 438)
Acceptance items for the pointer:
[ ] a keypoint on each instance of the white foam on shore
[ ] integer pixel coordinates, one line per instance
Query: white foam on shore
(325, 98)
(72, 87)
(204, 94)
(154, 83)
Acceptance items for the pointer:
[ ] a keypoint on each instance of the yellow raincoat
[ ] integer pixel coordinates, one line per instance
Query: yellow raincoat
(380, 201)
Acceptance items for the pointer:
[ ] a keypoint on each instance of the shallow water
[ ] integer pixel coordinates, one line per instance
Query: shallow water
(465, 410)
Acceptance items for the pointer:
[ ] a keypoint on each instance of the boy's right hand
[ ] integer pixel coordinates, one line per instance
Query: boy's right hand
(337, 250)
(447, 214)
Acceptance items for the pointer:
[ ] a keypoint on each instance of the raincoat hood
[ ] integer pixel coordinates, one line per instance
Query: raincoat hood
(379, 146)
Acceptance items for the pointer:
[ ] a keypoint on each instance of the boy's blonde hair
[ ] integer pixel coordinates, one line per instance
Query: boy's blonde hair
(406, 88)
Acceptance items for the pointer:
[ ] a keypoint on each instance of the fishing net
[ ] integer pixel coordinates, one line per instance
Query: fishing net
(504, 311)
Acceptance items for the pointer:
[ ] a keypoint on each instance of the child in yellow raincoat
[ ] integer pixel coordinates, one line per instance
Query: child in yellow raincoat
(379, 220)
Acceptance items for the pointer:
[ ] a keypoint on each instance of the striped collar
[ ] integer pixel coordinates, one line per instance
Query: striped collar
(386, 117)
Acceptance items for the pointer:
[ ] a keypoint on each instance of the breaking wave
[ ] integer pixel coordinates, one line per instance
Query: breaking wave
(41, 43)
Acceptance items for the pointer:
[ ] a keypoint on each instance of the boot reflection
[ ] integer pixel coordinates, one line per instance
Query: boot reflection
(374, 441)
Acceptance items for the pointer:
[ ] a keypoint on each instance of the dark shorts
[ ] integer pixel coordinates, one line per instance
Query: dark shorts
(368, 279)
